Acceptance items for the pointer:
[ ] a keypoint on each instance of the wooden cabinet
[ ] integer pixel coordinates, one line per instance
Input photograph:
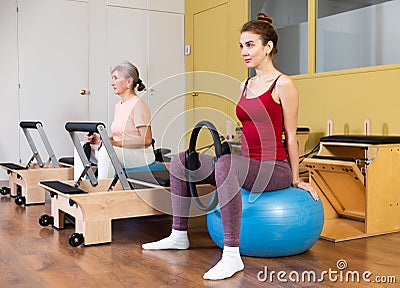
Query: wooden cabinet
(356, 177)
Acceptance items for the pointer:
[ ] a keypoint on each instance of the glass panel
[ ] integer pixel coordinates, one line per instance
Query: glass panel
(358, 33)
(291, 23)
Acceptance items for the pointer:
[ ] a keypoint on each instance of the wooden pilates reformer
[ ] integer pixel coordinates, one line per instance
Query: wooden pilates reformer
(95, 203)
(358, 180)
(24, 178)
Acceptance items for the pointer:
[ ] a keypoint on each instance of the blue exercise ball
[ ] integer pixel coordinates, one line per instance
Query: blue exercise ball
(274, 224)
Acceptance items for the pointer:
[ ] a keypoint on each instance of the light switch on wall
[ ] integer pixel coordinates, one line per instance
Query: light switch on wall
(187, 50)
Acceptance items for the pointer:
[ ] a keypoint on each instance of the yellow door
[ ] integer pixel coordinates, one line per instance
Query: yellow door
(213, 64)
(209, 97)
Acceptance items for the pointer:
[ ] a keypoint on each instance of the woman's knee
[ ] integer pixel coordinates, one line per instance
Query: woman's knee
(224, 160)
(177, 164)
(223, 169)
(223, 164)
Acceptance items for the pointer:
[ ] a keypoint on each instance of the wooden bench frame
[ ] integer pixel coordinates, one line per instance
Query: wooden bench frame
(94, 211)
(24, 183)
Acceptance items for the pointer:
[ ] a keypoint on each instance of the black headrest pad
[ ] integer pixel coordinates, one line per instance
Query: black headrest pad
(303, 129)
(361, 139)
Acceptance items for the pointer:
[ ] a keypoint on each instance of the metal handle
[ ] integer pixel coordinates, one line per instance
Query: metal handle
(195, 94)
(30, 124)
(83, 126)
(84, 92)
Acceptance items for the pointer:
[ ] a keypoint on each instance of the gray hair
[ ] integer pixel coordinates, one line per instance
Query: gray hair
(127, 70)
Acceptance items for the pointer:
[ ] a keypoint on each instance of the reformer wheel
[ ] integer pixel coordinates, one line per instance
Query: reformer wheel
(75, 239)
(46, 220)
(192, 162)
(20, 200)
(5, 190)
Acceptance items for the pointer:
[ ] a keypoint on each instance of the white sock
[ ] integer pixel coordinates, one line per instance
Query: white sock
(177, 240)
(229, 264)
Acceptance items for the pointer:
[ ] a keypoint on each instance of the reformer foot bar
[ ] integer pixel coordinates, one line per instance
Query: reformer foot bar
(358, 180)
(95, 203)
(24, 178)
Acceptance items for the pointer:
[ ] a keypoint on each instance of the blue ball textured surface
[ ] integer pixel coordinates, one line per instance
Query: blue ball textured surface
(274, 224)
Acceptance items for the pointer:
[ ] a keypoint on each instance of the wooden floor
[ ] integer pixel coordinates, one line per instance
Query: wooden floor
(35, 256)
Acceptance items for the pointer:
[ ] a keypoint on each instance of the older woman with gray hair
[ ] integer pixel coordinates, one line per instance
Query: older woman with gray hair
(131, 134)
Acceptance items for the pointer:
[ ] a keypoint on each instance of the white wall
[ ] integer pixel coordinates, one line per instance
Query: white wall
(98, 78)
(293, 49)
(388, 33)
(359, 38)
(290, 21)
(53, 68)
(98, 72)
(152, 38)
(9, 98)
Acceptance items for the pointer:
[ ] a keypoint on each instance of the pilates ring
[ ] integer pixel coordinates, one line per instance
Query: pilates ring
(192, 162)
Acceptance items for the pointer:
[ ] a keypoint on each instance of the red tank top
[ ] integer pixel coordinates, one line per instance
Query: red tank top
(262, 126)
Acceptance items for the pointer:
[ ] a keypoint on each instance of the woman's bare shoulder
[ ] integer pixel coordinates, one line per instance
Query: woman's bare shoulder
(284, 80)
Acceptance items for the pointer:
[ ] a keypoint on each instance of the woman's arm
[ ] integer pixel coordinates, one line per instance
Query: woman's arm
(144, 140)
(289, 98)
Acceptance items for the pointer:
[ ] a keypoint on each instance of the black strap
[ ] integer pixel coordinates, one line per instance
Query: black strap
(274, 83)
(245, 87)
(271, 88)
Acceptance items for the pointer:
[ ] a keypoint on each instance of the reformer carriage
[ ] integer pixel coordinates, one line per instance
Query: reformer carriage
(24, 178)
(357, 178)
(94, 203)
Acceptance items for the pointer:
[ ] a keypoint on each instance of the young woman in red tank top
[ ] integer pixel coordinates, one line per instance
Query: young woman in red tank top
(269, 102)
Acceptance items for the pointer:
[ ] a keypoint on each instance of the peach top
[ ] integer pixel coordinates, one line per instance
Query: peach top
(128, 116)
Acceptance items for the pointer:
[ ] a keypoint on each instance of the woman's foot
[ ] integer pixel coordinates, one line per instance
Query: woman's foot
(177, 240)
(230, 263)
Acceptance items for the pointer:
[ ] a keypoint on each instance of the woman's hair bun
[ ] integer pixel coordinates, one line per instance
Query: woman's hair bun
(263, 17)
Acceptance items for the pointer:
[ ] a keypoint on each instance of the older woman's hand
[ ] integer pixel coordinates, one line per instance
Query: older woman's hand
(92, 139)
